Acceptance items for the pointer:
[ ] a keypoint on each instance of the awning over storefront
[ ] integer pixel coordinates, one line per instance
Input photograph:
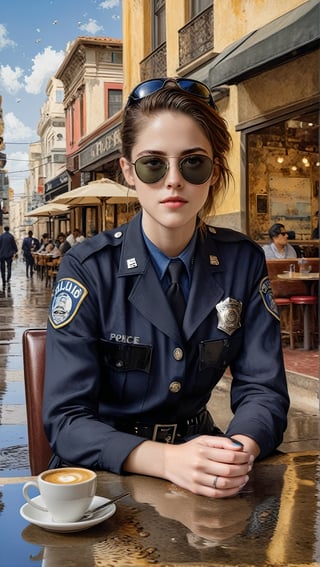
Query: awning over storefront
(290, 35)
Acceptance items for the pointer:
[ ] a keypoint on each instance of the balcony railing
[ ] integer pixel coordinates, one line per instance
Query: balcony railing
(196, 37)
(155, 65)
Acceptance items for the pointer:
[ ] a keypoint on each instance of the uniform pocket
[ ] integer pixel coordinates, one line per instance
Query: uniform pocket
(218, 354)
(125, 357)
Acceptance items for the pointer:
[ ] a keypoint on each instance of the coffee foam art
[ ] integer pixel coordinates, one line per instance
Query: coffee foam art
(67, 477)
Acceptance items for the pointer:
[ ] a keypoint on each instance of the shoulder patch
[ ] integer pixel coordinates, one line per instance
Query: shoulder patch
(267, 297)
(67, 298)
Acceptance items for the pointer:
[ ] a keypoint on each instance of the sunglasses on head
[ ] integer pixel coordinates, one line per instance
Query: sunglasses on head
(195, 88)
(195, 168)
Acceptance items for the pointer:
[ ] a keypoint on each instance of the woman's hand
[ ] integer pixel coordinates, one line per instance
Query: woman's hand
(211, 466)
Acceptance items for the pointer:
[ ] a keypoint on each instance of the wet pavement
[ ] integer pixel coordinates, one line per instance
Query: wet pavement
(22, 305)
(25, 305)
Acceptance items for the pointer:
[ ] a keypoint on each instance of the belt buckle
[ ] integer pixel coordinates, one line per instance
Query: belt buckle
(164, 432)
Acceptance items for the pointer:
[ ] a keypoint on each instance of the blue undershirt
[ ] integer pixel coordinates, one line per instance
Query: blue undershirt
(160, 262)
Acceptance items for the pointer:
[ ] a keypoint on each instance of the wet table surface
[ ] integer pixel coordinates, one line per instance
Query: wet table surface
(274, 522)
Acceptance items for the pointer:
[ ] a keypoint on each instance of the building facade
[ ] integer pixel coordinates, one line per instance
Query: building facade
(261, 60)
(92, 77)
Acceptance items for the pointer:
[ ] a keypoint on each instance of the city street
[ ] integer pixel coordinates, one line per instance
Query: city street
(25, 305)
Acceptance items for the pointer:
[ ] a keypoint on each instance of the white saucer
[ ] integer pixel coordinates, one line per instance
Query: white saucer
(42, 519)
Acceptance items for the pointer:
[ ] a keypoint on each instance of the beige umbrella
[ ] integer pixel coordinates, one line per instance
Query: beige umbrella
(101, 192)
(50, 209)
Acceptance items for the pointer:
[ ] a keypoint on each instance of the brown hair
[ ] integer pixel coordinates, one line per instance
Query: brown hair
(172, 98)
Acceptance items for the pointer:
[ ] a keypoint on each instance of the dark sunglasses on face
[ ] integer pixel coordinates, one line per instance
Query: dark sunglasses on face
(195, 168)
(283, 233)
(195, 88)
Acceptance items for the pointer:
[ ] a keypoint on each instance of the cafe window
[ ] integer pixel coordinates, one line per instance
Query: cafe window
(116, 57)
(198, 6)
(113, 100)
(283, 169)
(159, 22)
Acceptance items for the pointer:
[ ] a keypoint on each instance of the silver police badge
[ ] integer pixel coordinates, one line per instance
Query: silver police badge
(229, 312)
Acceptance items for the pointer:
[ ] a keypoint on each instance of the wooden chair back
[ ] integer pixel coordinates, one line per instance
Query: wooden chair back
(33, 346)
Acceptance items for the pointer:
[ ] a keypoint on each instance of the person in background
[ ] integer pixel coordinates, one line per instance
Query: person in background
(315, 232)
(128, 375)
(29, 245)
(279, 247)
(44, 242)
(70, 241)
(56, 252)
(8, 249)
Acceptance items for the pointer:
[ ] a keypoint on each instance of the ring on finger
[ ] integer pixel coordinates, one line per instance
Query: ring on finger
(214, 482)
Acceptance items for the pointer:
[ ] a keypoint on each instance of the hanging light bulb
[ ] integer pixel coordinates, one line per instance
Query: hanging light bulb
(280, 159)
(305, 162)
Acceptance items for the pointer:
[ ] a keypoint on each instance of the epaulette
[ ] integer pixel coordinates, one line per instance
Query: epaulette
(95, 244)
(230, 235)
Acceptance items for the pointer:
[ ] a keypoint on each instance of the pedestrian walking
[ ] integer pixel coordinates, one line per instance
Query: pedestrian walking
(29, 245)
(8, 249)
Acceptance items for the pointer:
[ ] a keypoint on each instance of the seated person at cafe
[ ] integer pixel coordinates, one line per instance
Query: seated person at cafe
(279, 247)
(44, 242)
(134, 349)
(315, 232)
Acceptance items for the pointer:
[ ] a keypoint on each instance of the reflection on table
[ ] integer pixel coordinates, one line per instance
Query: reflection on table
(272, 522)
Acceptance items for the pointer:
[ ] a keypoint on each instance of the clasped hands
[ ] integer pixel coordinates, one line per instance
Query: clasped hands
(211, 466)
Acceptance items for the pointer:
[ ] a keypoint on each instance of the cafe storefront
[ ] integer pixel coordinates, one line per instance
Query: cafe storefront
(271, 83)
(98, 160)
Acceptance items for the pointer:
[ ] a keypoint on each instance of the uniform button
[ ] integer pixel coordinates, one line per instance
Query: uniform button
(178, 353)
(175, 387)
(118, 234)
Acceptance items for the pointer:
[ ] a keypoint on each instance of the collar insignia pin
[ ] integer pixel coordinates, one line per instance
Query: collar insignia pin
(214, 260)
(131, 263)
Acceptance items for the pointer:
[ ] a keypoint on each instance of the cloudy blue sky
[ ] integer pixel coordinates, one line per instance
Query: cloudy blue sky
(33, 39)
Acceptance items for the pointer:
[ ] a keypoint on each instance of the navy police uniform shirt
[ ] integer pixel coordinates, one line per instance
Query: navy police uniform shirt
(115, 352)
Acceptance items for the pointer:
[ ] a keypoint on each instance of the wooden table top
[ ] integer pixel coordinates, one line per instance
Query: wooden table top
(274, 521)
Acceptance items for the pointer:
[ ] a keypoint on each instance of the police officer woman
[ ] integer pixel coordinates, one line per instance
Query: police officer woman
(128, 378)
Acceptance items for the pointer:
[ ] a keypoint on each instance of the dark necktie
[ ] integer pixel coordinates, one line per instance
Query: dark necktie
(174, 291)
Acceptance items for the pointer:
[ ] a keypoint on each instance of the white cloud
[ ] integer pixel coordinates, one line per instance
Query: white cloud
(45, 65)
(15, 130)
(4, 40)
(18, 169)
(91, 26)
(107, 4)
(10, 78)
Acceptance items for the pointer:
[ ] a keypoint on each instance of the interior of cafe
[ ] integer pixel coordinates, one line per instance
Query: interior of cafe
(283, 178)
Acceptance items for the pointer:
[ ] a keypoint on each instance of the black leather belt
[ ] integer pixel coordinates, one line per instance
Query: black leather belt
(168, 432)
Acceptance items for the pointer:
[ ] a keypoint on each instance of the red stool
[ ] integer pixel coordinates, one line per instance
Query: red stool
(306, 301)
(284, 306)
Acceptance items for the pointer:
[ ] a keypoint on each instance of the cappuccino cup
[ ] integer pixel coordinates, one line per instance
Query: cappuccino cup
(66, 493)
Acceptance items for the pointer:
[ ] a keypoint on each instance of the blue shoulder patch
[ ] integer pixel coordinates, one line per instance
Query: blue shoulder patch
(267, 297)
(67, 298)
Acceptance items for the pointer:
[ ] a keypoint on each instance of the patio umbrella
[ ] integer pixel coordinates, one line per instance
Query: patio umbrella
(48, 210)
(98, 193)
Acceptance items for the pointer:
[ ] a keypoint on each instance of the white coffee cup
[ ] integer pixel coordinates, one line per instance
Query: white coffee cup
(66, 493)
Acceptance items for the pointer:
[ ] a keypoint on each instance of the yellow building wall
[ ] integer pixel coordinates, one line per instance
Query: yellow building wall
(233, 19)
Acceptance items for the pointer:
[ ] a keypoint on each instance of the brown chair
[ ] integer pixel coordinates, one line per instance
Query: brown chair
(33, 346)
